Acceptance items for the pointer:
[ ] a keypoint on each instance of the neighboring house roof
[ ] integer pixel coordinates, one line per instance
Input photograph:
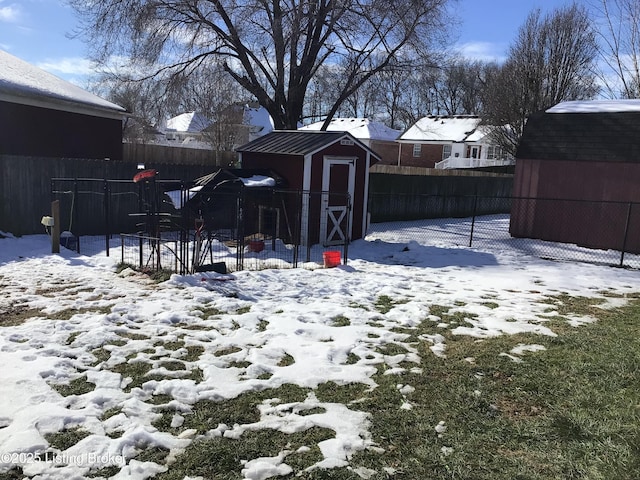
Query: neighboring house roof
(586, 131)
(361, 128)
(457, 128)
(23, 83)
(259, 119)
(297, 142)
(190, 122)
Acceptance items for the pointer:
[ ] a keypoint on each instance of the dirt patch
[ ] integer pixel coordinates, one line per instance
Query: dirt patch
(17, 315)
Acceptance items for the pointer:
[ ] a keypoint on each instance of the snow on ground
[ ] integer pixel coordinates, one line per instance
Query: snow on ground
(323, 322)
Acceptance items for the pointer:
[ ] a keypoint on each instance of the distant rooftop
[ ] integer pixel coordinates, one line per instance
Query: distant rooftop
(454, 128)
(21, 82)
(191, 122)
(360, 128)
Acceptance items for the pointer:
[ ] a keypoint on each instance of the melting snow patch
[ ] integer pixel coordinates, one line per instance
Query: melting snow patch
(520, 349)
(266, 467)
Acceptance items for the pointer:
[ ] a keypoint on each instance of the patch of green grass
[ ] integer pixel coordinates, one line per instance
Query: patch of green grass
(77, 386)
(221, 458)
(286, 360)
(243, 310)
(71, 338)
(262, 325)
(352, 358)
(160, 276)
(331, 392)
(17, 315)
(132, 335)
(14, 474)
(105, 472)
(340, 321)
(208, 414)
(240, 364)
(66, 438)
(193, 353)
(209, 311)
(385, 303)
(492, 305)
(171, 345)
(227, 351)
(123, 266)
(173, 365)
(153, 454)
(112, 412)
(137, 371)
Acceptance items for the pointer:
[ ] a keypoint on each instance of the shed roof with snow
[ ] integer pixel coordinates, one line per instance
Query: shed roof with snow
(607, 130)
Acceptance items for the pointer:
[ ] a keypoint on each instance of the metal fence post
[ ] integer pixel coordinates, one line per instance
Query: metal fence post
(107, 214)
(473, 220)
(626, 234)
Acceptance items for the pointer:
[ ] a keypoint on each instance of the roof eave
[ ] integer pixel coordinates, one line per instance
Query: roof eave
(54, 103)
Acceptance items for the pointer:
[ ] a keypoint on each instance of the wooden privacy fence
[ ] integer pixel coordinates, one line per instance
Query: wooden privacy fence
(25, 184)
(394, 197)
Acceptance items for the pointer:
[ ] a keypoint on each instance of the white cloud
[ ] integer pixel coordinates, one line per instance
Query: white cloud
(482, 51)
(9, 13)
(68, 66)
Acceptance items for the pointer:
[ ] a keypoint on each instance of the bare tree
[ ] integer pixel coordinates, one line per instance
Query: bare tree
(551, 60)
(458, 86)
(619, 28)
(273, 48)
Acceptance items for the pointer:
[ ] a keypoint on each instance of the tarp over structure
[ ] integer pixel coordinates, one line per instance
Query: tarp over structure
(221, 197)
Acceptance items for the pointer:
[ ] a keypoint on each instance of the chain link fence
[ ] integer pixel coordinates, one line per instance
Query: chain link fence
(273, 229)
(558, 229)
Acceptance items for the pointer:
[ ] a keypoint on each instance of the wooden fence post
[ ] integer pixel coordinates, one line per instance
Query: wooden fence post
(55, 229)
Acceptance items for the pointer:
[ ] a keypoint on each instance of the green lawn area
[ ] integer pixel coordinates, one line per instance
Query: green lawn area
(570, 411)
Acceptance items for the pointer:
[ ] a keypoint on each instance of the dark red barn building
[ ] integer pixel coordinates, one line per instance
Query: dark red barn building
(577, 176)
(48, 128)
(330, 169)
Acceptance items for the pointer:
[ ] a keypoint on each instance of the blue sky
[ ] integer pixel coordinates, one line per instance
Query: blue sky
(37, 31)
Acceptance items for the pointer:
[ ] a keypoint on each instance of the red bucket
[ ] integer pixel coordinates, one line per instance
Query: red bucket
(331, 258)
(256, 246)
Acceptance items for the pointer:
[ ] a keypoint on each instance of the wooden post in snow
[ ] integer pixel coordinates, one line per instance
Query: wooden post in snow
(55, 229)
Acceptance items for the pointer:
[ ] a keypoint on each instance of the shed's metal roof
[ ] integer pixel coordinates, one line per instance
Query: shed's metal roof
(605, 136)
(296, 142)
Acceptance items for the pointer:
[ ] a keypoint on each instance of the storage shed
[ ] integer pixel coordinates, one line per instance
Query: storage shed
(577, 176)
(329, 169)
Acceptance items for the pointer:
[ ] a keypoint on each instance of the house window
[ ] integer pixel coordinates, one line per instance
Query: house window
(417, 149)
(495, 152)
(446, 151)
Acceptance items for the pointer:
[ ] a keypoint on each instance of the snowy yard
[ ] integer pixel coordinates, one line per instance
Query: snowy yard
(107, 374)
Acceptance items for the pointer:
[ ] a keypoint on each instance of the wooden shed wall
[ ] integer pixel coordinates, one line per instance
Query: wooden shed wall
(586, 203)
